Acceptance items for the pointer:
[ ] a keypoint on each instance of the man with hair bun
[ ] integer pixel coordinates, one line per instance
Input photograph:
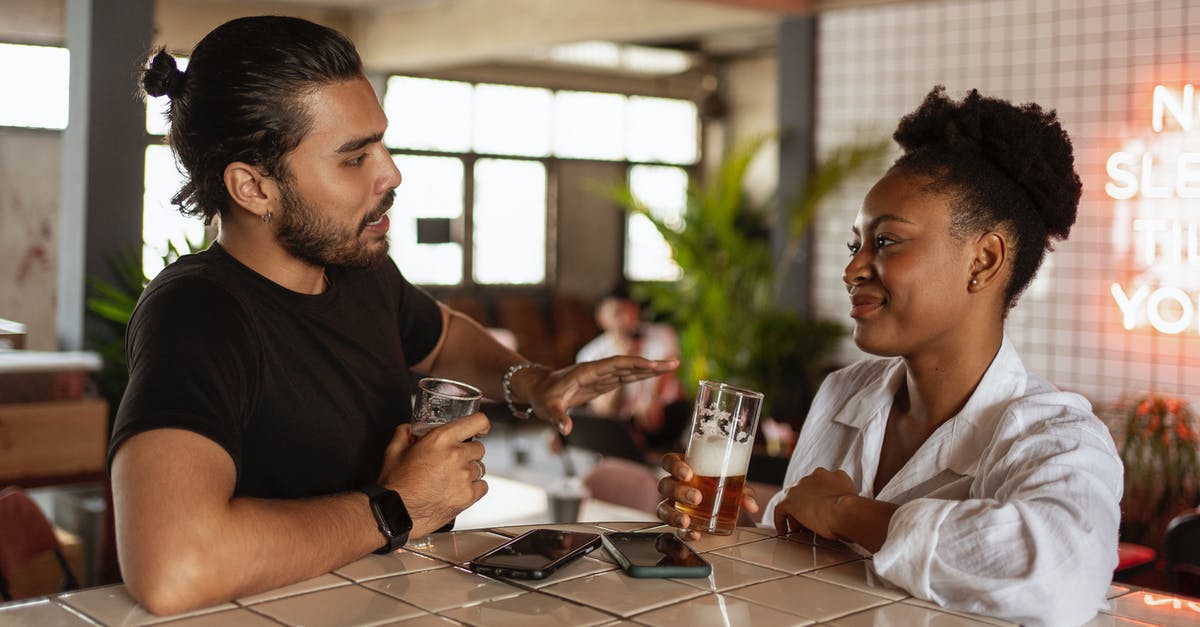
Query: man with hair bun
(974, 483)
(264, 436)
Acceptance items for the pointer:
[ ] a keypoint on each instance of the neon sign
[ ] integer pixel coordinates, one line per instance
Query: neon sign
(1155, 180)
(1150, 600)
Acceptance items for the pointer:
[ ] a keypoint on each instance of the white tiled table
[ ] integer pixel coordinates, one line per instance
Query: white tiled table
(758, 579)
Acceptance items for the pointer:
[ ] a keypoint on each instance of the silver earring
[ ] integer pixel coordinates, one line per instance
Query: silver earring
(267, 218)
(974, 282)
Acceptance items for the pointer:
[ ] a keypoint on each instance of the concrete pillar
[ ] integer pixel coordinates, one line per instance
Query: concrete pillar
(103, 149)
(797, 122)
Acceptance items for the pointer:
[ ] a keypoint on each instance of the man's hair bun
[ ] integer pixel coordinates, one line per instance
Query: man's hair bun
(162, 77)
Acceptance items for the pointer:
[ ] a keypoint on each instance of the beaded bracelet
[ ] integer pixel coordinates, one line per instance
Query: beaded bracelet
(508, 396)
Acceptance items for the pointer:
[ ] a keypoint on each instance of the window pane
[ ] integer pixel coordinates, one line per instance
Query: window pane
(512, 120)
(661, 129)
(161, 221)
(156, 108)
(664, 190)
(589, 125)
(427, 114)
(432, 187)
(510, 221)
(36, 82)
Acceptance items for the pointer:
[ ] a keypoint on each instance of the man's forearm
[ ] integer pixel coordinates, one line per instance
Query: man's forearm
(251, 546)
(471, 354)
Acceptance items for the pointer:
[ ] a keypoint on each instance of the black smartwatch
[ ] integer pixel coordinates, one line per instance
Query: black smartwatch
(391, 515)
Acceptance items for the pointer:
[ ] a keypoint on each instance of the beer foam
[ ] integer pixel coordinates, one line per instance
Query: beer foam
(706, 456)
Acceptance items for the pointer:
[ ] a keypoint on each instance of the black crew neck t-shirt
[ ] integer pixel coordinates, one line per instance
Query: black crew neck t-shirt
(303, 391)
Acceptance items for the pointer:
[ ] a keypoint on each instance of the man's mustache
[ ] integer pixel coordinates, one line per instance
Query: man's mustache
(385, 204)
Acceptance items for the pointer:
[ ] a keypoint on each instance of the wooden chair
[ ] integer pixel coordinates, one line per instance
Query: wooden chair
(524, 317)
(469, 307)
(26, 534)
(574, 326)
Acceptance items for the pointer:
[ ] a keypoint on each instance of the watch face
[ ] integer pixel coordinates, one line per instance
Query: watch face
(394, 513)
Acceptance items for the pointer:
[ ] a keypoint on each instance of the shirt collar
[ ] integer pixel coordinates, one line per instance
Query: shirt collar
(975, 425)
(869, 403)
(960, 439)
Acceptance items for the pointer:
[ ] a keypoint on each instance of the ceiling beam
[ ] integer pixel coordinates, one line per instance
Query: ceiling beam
(446, 34)
(181, 24)
(774, 6)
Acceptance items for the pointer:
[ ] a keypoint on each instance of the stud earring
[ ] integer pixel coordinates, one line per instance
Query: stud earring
(974, 282)
(267, 218)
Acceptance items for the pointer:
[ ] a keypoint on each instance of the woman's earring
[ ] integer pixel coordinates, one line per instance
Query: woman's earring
(267, 220)
(974, 282)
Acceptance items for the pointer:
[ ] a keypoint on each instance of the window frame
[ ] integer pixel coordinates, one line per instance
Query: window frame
(551, 164)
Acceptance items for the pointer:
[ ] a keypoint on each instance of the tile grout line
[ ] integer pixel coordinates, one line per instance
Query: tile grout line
(78, 612)
(258, 613)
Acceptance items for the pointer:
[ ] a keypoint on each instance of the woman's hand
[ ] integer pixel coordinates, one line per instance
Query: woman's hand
(674, 488)
(555, 392)
(812, 502)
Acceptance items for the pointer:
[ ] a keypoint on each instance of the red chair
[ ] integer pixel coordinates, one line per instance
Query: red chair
(1132, 556)
(24, 534)
(625, 483)
(763, 492)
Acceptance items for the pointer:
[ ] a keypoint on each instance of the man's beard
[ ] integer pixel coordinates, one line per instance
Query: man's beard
(310, 237)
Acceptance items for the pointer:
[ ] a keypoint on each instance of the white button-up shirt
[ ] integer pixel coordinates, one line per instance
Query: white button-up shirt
(1009, 509)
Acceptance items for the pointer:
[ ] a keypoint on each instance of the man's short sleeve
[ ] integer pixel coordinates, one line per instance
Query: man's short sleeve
(420, 319)
(194, 363)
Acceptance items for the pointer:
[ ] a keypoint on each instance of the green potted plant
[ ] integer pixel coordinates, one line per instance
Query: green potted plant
(1159, 444)
(724, 305)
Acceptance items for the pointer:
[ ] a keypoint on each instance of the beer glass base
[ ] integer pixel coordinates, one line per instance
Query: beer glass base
(708, 526)
(710, 531)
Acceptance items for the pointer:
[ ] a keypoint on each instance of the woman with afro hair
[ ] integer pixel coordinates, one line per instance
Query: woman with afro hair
(974, 483)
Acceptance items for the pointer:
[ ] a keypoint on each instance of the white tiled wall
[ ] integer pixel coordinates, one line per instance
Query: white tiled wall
(1095, 62)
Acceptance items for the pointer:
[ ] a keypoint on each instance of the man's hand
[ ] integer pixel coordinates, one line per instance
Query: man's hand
(552, 393)
(812, 503)
(438, 475)
(675, 488)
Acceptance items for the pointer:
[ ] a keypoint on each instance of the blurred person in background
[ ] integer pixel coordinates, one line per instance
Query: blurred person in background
(972, 481)
(656, 406)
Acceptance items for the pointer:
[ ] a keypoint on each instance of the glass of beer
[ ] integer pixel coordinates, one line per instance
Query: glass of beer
(440, 401)
(723, 425)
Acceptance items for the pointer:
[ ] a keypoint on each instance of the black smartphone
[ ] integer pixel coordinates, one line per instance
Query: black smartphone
(658, 554)
(535, 554)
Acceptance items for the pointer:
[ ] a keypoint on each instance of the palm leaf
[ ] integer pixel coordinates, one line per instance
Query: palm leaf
(723, 306)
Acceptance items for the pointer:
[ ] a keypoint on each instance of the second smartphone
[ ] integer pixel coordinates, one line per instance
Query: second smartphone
(535, 554)
(655, 555)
